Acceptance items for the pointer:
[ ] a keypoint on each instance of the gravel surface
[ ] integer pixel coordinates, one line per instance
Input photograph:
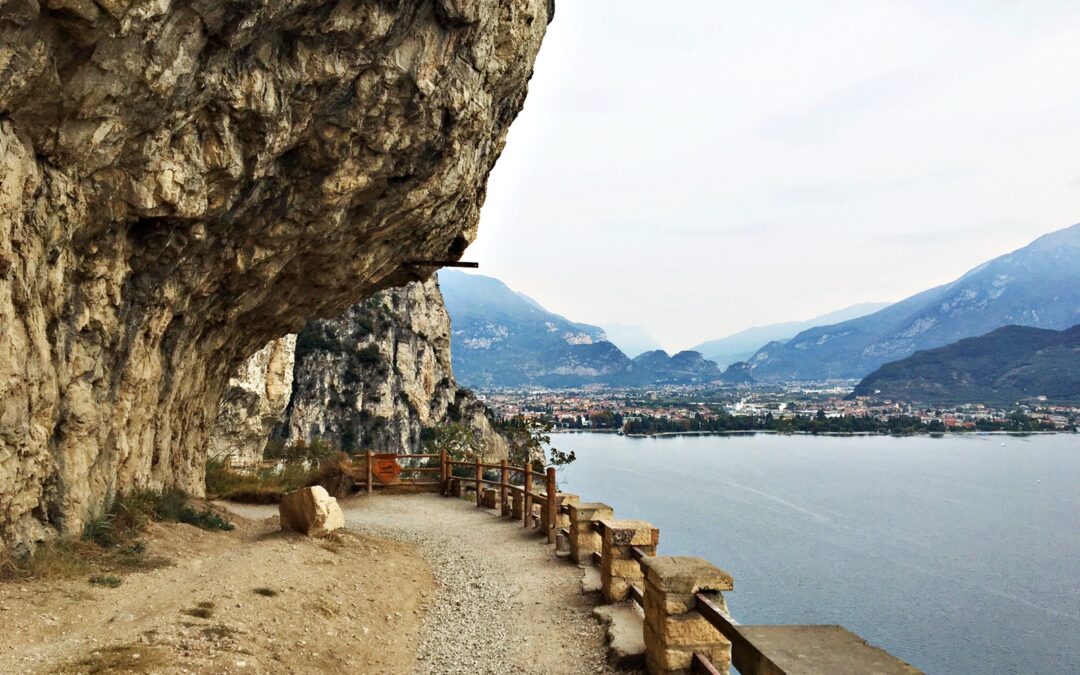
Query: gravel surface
(504, 604)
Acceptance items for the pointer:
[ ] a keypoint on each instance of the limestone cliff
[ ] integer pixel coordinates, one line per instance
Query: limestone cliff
(254, 403)
(377, 376)
(181, 182)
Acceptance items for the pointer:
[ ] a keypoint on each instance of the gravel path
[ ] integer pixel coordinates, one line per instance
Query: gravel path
(505, 603)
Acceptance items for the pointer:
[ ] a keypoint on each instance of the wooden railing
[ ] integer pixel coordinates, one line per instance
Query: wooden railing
(416, 470)
(511, 479)
(744, 655)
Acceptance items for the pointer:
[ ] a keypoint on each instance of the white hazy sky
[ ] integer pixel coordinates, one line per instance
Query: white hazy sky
(702, 166)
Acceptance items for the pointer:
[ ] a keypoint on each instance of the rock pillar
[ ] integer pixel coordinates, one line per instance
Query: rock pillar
(583, 541)
(619, 569)
(562, 521)
(674, 629)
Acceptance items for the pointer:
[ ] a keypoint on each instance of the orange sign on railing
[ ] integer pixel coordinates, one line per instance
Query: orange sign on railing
(385, 468)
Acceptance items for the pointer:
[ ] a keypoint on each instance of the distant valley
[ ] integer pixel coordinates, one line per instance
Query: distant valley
(743, 345)
(502, 338)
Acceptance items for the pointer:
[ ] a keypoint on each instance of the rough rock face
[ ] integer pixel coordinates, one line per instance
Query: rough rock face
(254, 403)
(181, 182)
(378, 375)
(311, 511)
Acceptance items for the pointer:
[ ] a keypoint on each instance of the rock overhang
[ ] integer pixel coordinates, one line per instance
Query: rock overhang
(184, 181)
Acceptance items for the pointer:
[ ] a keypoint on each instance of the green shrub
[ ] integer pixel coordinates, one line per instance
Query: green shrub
(368, 356)
(266, 486)
(131, 512)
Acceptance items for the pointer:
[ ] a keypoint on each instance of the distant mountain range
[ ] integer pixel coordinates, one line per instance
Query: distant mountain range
(502, 338)
(1003, 367)
(632, 340)
(1037, 286)
(744, 344)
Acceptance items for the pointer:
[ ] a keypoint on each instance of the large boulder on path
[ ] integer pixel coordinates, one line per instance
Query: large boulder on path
(311, 511)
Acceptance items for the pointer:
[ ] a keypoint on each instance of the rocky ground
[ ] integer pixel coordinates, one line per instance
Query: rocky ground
(420, 583)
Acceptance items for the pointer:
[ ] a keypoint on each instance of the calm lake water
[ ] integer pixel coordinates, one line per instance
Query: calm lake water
(959, 555)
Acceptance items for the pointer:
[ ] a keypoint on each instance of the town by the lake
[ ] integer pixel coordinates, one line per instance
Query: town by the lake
(811, 408)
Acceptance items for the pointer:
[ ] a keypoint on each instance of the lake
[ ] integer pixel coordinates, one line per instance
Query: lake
(958, 554)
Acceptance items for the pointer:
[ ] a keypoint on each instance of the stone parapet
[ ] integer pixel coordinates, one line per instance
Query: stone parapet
(674, 629)
(619, 570)
(583, 541)
(565, 499)
(562, 521)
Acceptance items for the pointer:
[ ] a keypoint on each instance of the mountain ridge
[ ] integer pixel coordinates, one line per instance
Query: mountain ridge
(1004, 366)
(1037, 285)
(742, 345)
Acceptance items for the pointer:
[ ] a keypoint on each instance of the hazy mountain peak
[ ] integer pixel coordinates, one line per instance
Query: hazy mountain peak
(632, 340)
(746, 343)
(503, 338)
(1038, 286)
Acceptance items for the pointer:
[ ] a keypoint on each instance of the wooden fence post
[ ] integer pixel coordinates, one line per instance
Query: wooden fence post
(504, 479)
(528, 495)
(368, 455)
(444, 475)
(479, 485)
(552, 505)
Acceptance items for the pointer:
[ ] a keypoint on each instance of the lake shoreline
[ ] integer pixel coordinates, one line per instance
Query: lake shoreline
(830, 434)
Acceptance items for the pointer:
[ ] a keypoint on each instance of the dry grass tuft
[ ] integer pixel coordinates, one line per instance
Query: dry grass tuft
(58, 559)
(109, 540)
(336, 473)
(133, 658)
(203, 610)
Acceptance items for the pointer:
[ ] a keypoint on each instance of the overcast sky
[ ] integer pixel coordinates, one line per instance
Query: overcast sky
(702, 166)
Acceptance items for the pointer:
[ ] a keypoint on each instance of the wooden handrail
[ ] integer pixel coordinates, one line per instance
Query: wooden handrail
(744, 655)
(527, 498)
(701, 665)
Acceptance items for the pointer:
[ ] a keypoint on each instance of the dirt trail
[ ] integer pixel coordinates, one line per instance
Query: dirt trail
(419, 583)
(326, 608)
(505, 603)
(517, 591)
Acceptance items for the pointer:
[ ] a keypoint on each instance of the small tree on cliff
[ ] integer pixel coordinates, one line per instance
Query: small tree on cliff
(461, 443)
(530, 442)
